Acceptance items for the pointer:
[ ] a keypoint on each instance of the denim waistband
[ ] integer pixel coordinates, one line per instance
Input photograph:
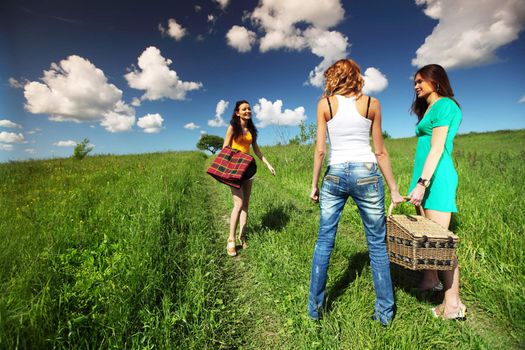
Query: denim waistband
(354, 165)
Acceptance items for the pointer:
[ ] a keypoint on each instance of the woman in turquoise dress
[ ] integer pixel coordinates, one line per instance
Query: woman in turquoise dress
(434, 180)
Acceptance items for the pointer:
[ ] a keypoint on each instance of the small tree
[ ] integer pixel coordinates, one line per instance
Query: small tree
(307, 134)
(82, 149)
(211, 143)
(386, 135)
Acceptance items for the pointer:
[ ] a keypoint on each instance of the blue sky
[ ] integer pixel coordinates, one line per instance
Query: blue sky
(137, 76)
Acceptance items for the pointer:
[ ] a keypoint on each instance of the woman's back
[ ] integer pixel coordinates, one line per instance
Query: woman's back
(349, 134)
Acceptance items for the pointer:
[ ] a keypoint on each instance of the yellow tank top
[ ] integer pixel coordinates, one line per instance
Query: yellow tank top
(243, 143)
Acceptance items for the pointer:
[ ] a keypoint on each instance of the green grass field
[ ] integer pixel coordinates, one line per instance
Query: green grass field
(129, 252)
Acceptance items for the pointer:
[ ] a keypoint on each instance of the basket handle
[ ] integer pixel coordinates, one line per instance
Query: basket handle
(406, 198)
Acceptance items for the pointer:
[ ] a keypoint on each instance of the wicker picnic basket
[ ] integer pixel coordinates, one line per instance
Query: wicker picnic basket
(418, 243)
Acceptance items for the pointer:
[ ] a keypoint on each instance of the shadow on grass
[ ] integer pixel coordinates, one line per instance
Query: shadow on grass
(275, 219)
(408, 280)
(355, 266)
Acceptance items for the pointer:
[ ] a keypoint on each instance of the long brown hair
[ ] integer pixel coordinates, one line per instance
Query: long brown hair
(235, 122)
(343, 78)
(438, 77)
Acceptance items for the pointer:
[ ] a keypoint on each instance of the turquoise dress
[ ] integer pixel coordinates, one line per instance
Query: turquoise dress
(441, 194)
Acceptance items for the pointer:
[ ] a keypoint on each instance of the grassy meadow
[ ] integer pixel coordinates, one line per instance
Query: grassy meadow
(129, 252)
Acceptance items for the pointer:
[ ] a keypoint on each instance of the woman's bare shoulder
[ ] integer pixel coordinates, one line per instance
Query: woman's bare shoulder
(322, 103)
(365, 98)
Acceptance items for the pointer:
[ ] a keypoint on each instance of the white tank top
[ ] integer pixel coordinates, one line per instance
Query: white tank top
(349, 134)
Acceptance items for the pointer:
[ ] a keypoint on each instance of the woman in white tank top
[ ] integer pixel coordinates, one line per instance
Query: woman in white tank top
(348, 118)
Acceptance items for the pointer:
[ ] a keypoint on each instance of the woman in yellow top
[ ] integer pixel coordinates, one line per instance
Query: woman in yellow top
(240, 135)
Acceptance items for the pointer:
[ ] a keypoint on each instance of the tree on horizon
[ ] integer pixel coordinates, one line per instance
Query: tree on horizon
(211, 143)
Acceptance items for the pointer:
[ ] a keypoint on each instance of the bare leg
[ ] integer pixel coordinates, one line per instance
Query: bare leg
(430, 280)
(246, 191)
(430, 277)
(237, 195)
(451, 301)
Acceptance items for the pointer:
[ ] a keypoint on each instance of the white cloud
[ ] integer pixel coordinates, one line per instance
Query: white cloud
(375, 81)
(522, 100)
(34, 131)
(155, 77)
(11, 137)
(279, 21)
(469, 31)
(30, 150)
(121, 118)
(175, 30)
(219, 111)
(15, 83)
(4, 123)
(135, 102)
(221, 107)
(203, 132)
(223, 3)
(191, 126)
(240, 38)
(268, 113)
(77, 91)
(330, 46)
(433, 9)
(68, 143)
(4, 147)
(217, 122)
(151, 123)
(212, 20)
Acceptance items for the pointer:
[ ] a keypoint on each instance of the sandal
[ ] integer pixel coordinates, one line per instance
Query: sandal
(230, 248)
(460, 315)
(437, 288)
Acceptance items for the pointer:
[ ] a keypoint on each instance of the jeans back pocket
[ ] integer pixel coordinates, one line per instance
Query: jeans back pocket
(333, 184)
(332, 178)
(368, 180)
(369, 186)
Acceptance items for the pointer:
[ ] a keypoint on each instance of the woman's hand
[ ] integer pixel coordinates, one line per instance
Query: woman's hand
(314, 195)
(396, 198)
(272, 170)
(417, 194)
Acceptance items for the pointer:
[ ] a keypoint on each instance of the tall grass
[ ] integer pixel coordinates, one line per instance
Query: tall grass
(129, 252)
(490, 224)
(108, 252)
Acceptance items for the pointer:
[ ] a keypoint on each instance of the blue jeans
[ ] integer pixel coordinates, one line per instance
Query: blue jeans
(362, 182)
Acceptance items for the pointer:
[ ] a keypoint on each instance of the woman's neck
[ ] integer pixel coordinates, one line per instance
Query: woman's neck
(244, 123)
(433, 97)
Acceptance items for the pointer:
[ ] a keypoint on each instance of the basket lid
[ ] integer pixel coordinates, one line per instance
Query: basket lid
(419, 226)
